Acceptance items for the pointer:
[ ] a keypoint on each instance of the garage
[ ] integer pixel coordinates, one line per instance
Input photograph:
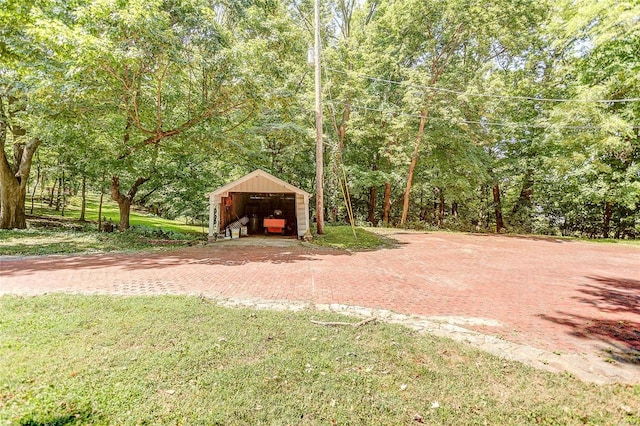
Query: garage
(258, 204)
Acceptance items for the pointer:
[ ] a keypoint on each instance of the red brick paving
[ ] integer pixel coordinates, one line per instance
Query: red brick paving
(553, 295)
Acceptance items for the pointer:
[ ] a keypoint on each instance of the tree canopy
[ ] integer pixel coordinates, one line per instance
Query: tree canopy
(504, 115)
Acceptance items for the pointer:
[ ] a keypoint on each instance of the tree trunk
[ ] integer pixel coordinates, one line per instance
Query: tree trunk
(83, 209)
(497, 204)
(63, 185)
(412, 166)
(342, 128)
(387, 203)
(100, 206)
(341, 133)
(481, 209)
(125, 201)
(607, 219)
(526, 193)
(53, 191)
(59, 196)
(125, 210)
(35, 186)
(43, 179)
(373, 194)
(13, 180)
(521, 213)
(12, 198)
(441, 208)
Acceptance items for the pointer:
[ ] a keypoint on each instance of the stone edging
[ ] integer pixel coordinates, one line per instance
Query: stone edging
(586, 367)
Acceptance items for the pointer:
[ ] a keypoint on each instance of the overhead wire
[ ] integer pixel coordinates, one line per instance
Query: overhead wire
(478, 122)
(483, 95)
(483, 123)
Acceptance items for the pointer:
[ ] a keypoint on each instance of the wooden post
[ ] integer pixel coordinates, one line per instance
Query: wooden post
(319, 145)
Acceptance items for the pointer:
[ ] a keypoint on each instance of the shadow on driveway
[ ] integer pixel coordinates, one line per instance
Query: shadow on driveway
(209, 255)
(616, 296)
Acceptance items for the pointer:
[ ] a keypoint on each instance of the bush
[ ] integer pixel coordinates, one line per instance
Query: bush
(158, 233)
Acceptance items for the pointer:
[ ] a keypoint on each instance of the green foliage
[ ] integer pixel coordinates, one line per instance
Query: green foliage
(191, 94)
(158, 233)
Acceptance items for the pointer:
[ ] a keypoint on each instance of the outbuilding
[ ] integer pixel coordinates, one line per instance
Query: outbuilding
(256, 197)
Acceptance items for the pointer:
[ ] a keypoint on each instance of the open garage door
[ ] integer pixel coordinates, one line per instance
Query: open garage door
(256, 198)
(260, 206)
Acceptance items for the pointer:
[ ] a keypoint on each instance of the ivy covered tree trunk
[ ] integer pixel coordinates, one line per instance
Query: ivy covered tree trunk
(125, 200)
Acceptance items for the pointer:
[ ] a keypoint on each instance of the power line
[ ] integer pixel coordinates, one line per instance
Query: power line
(483, 95)
(478, 122)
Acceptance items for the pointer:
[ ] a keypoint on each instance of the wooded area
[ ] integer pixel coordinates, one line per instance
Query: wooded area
(470, 115)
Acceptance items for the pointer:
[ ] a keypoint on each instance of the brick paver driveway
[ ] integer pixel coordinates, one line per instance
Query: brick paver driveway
(550, 294)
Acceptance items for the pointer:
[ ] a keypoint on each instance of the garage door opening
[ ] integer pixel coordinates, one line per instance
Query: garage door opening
(261, 204)
(278, 209)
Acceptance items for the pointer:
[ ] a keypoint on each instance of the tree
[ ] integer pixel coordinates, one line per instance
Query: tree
(165, 68)
(593, 176)
(14, 172)
(28, 77)
(431, 42)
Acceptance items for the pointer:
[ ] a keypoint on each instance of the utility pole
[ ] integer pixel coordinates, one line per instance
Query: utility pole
(319, 145)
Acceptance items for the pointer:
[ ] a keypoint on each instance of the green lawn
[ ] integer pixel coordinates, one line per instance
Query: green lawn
(180, 360)
(62, 240)
(111, 212)
(342, 237)
(50, 233)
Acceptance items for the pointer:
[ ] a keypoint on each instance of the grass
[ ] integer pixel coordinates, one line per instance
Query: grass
(610, 241)
(50, 233)
(61, 240)
(342, 237)
(180, 360)
(111, 212)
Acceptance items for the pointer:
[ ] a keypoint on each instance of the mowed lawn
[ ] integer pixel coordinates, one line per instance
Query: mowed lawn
(183, 360)
(111, 213)
(50, 233)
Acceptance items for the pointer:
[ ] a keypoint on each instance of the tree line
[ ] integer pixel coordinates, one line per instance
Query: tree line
(471, 115)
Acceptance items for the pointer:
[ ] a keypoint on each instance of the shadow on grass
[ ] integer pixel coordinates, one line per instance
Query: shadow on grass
(208, 255)
(610, 296)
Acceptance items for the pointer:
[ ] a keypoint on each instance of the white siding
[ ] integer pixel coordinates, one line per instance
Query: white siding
(302, 214)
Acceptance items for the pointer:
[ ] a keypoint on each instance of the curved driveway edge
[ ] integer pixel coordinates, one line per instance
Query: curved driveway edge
(555, 304)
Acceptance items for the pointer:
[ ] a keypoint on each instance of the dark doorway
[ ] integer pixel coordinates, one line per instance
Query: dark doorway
(258, 206)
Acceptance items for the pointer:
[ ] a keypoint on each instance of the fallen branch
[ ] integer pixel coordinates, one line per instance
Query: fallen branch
(352, 324)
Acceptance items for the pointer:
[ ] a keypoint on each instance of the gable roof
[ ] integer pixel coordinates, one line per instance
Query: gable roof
(256, 179)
